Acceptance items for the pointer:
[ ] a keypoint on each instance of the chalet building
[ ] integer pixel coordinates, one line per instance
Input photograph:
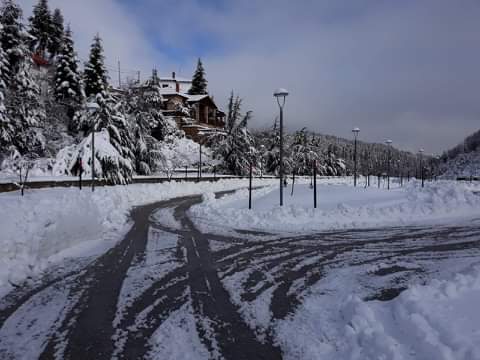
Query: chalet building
(194, 114)
(178, 84)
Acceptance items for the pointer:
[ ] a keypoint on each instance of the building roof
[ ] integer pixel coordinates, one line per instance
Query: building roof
(170, 92)
(195, 98)
(178, 79)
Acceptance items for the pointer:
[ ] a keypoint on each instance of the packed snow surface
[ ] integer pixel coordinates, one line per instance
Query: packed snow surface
(340, 205)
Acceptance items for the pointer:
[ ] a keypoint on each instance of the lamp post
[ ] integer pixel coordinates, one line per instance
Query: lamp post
(281, 95)
(421, 151)
(355, 134)
(93, 109)
(388, 143)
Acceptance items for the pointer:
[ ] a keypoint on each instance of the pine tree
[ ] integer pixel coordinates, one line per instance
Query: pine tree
(7, 130)
(117, 158)
(199, 83)
(11, 38)
(68, 86)
(95, 74)
(26, 110)
(235, 146)
(57, 33)
(40, 28)
(303, 153)
(22, 95)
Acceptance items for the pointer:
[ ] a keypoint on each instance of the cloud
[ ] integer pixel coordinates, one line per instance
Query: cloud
(405, 70)
(122, 37)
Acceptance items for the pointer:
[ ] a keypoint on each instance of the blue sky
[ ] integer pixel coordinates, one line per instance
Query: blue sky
(405, 70)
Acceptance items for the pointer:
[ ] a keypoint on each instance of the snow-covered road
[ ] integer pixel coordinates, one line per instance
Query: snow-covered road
(171, 291)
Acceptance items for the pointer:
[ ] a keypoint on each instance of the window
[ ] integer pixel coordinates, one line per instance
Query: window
(165, 86)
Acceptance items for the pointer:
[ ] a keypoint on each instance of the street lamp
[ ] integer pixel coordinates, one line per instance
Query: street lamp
(389, 143)
(281, 95)
(421, 151)
(355, 134)
(93, 108)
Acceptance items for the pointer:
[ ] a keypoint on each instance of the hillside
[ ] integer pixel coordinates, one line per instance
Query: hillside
(463, 160)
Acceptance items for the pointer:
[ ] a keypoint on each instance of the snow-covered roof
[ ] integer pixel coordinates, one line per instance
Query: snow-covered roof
(178, 79)
(171, 92)
(195, 98)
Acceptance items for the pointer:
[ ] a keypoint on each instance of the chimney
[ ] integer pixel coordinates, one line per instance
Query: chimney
(173, 75)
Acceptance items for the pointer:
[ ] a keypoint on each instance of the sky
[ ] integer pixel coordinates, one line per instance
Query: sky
(404, 70)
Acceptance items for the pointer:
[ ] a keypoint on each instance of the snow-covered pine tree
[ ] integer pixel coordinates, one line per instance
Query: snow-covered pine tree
(235, 146)
(95, 73)
(271, 158)
(26, 110)
(6, 127)
(40, 28)
(22, 96)
(68, 83)
(11, 37)
(147, 148)
(57, 33)
(303, 153)
(117, 158)
(199, 83)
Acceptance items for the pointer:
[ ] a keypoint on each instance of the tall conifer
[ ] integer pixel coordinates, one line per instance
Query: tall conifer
(95, 74)
(199, 83)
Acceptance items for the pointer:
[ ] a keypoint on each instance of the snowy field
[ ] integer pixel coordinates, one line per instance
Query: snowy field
(48, 225)
(340, 206)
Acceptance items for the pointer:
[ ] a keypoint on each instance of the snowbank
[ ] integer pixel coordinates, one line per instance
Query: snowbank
(50, 224)
(340, 206)
(438, 321)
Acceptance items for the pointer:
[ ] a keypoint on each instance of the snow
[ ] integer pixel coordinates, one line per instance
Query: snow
(181, 152)
(436, 321)
(48, 225)
(177, 338)
(339, 206)
(195, 98)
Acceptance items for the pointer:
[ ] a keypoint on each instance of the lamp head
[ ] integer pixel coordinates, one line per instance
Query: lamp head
(356, 130)
(388, 142)
(280, 93)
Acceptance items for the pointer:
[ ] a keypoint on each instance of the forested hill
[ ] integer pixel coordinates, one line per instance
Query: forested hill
(303, 146)
(464, 159)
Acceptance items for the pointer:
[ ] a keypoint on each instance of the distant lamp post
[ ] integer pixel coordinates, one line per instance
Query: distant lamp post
(388, 143)
(421, 151)
(355, 134)
(93, 108)
(281, 95)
